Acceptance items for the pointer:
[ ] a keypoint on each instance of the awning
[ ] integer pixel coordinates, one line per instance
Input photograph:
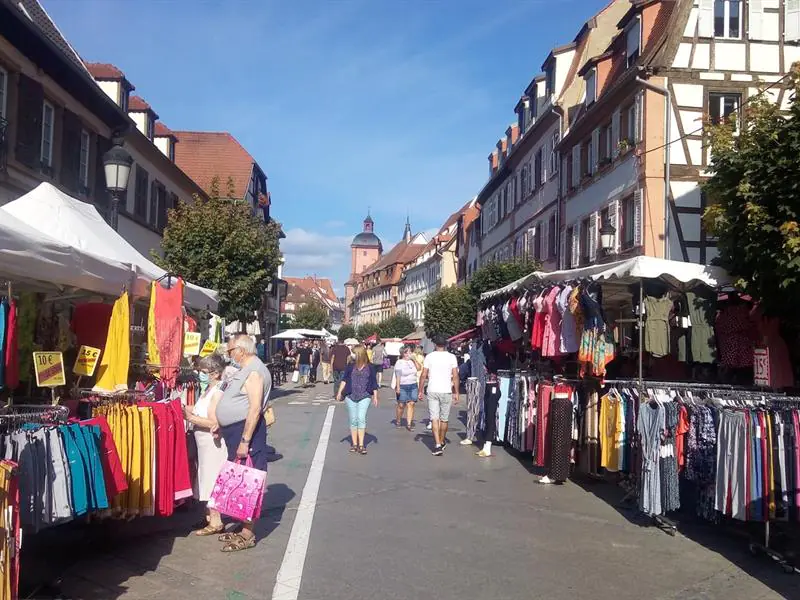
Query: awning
(464, 335)
(78, 224)
(680, 275)
(371, 339)
(414, 336)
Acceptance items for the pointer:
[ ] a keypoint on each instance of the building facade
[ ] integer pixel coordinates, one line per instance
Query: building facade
(302, 290)
(520, 211)
(365, 250)
(674, 65)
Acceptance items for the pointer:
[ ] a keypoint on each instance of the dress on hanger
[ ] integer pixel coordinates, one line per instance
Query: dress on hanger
(539, 319)
(568, 342)
(656, 329)
(769, 336)
(551, 342)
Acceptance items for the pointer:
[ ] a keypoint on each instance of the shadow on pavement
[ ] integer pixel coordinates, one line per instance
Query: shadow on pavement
(368, 440)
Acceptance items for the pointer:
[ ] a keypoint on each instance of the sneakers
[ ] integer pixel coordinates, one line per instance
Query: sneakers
(444, 443)
(438, 451)
(429, 426)
(466, 442)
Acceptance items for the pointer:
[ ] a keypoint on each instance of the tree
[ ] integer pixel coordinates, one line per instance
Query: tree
(220, 244)
(311, 315)
(396, 326)
(366, 330)
(496, 275)
(754, 201)
(346, 331)
(449, 311)
(286, 322)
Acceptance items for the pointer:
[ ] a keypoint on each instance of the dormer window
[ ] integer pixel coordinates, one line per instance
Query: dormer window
(550, 81)
(151, 127)
(591, 87)
(124, 94)
(533, 105)
(633, 40)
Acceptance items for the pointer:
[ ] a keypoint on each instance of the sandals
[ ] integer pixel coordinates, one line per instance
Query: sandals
(362, 451)
(238, 543)
(228, 536)
(354, 449)
(209, 530)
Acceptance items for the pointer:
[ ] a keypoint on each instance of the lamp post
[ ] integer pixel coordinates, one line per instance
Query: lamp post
(608, 235)
(117, 165)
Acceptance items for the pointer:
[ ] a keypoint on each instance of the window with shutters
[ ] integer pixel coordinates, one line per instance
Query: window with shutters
(48, 118)
(570, 180)
(586, 241)
(3, 92)
(586, 159)
(524, 181)
(537, 242)
(554, 158)
(632, 43)
(537, 169)
(591, 86)
(83, 165)
(551, 237)
(628, 217)
(141, 192)
(605, 145)
(724, 107)
(728, 18)
(568, 247)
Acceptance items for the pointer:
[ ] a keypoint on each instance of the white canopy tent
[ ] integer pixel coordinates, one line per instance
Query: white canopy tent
(29, 255)
(680, 275)
(78, 224)
(299, 334)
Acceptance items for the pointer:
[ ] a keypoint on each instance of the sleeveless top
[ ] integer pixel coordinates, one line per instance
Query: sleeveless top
(233, 405)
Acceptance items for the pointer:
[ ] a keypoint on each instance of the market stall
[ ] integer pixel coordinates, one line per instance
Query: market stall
(641, 371)
(53, 213)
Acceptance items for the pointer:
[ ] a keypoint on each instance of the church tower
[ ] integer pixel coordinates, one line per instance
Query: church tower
(366, 249)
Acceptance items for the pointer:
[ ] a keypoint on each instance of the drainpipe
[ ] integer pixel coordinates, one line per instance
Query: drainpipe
(667, 140)
(560, 116)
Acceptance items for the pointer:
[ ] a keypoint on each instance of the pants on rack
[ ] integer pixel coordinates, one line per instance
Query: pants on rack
(502, 409)
(590, 457)
(473, 406)
(491, 400)
(731, 463)
(561, 437)
(543, 425)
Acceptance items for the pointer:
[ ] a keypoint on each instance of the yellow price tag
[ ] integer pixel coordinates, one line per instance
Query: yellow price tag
(86, 361)
(191, 343)
(49, 368)
(208, 348)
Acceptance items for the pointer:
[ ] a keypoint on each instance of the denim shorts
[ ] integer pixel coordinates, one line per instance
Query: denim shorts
(408, 393)
(305, 370)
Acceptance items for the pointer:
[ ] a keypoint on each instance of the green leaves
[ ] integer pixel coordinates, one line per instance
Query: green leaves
(346, 331)
(398, 326)
(755, 202)
(311, 315)
(496, 275)
(449, 311)
(222, 245)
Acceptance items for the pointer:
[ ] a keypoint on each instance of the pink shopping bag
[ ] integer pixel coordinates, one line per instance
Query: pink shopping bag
(239, 490)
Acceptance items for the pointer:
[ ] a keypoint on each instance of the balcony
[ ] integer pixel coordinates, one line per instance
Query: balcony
(3, 144)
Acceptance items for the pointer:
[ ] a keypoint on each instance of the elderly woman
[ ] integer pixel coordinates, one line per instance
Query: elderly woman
(211, 450)
(358, 386)
(238, 413)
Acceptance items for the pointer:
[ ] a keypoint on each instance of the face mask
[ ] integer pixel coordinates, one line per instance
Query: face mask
(202, 377)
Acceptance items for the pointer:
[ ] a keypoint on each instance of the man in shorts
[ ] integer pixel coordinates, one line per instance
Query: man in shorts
(440, 372)
(304, 354)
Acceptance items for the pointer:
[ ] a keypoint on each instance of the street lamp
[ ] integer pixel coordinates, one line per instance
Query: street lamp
(117, 165)
(608, 234)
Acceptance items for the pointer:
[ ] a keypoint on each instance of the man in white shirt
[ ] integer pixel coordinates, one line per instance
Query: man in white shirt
(440, 372)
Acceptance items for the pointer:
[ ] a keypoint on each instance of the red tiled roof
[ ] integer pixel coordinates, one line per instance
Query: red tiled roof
(138, 104)
(163, 131)
(104, 71)
(202, 155)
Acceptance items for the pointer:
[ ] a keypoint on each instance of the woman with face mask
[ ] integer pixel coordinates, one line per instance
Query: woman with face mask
(211, 450)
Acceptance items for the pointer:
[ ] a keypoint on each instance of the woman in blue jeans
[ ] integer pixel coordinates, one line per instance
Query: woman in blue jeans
(359, 384)
(406, 376)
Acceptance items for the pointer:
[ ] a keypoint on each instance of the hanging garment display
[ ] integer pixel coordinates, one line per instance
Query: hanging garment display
(561, 435)
(491, 400)
(656, 331)
(543, 431)
(473, 407)
(11, 363)
(650, 426)
(3, 333)
(166, 310)
(11, 540)
(112, 372)
(702, 309)
(736, 336)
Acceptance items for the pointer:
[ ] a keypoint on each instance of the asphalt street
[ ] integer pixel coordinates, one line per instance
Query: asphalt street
(400, 523)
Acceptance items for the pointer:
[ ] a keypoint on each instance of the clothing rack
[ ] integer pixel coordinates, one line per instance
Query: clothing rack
(33, 413)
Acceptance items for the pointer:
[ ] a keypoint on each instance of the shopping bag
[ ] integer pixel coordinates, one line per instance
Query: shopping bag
(239, 490)
(394, 380)
(269, 416)
(295, 376)
(386, 362)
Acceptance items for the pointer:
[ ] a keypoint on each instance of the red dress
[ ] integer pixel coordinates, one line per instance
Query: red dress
(537, 331)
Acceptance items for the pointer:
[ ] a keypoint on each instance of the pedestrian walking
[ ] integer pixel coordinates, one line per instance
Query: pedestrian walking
(378, 354)
(340, 354)
(304, 353)
(358, 386)
(406, 373)
(241, 425)
(440, 373)
(325, 360)
(315, 358)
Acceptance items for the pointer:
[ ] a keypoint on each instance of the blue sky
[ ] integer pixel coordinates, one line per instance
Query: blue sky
(346, 104)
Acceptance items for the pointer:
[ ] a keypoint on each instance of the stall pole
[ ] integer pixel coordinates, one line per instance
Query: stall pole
(641, 333)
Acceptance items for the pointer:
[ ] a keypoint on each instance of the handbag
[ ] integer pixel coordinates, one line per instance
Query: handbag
(239, 490)
(386, 362)
(295, 376)
(269, 416)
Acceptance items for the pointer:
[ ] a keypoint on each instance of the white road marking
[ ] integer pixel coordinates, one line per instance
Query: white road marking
(290, 575)
(296, 402)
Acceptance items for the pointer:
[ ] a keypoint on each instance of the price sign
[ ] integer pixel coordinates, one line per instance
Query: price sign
(49, 368)
(208, 348)
(191, 343)
(86, 361)
(761, 374)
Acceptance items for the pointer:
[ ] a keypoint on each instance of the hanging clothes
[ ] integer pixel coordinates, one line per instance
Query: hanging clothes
(153, 352)
(769, 336)
(702, 314)
(10, 526)
(473, 407)
(650, 426)
(491, 400)
(90, 323)
(561, 437)
(656, 329)
(551, 339)
(543, 431)
(539, 319)
(736, 336)
(3, 328)
(612, 427)
(112, 373)
(167, 311)
(569, 338)
(11, 363)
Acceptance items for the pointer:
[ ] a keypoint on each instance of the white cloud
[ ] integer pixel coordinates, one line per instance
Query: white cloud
(334, 224)
(308, 252)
